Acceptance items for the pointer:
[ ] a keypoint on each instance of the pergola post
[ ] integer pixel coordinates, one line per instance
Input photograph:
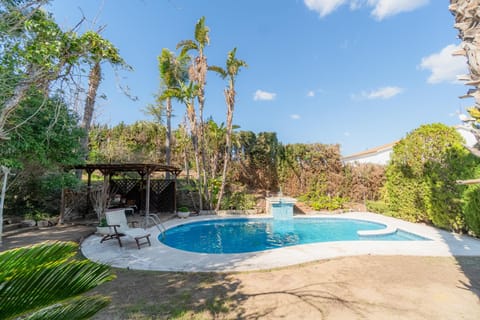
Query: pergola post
(147, 195)
(89, 191)
(175, 192)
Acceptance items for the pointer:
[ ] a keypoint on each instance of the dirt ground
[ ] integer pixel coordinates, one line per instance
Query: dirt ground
(362, 287)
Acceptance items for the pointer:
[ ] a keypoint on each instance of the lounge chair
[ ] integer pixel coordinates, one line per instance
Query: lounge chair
(117, 221)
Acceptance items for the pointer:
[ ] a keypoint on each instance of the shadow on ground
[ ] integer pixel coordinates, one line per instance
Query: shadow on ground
(162, 295)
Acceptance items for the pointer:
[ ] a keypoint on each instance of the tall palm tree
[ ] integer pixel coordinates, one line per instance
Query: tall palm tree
(186, 94)
(199, 67)
(173, 72)
(232, 68)
(198, 74)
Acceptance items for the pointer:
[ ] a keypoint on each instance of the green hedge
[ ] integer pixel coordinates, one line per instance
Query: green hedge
(421, 179)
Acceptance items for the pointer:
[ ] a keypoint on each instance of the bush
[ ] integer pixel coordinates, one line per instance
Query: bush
(323, 202)
(328, 203)
(421, 177)
(377, 206)
(238, 201)
(471, 209)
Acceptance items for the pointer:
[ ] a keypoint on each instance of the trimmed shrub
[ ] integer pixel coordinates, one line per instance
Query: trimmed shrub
(471, 209)
(471, 206)
(421, 177)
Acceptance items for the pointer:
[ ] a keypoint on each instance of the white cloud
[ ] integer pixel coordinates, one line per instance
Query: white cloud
(383, 93)
(295, 116)
(264, 95)
(381, 8)
(311, 93)
(324, 7)
(443, 66)
(387, 8)
(346, 134)
(356, 4)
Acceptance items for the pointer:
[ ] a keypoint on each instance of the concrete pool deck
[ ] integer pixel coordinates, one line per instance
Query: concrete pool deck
(160, 257)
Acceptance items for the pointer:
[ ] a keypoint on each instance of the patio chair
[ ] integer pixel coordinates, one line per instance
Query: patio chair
(117, 221)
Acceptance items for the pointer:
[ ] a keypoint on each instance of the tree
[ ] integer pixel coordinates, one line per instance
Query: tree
(173, 72)
(35, 52)
(198, 74)
(98, 50)
(186, 94)
(37, 153)
(232, 68)
(45, 281)
(422, 174)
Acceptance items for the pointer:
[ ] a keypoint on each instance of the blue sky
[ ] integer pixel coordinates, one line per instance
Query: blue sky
(360, 73)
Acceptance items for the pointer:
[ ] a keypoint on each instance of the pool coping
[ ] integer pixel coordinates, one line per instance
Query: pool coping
(160, 257)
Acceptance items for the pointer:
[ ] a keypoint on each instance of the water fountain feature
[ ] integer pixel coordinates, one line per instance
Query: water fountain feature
(280, 207)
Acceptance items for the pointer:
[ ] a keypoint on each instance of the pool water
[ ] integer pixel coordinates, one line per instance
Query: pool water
(250, 235)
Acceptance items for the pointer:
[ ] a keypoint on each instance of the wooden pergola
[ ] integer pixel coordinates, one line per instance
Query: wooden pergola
(145, 171)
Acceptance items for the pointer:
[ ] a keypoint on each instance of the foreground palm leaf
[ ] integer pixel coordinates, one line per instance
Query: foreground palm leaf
(37, 276)
(77, 308)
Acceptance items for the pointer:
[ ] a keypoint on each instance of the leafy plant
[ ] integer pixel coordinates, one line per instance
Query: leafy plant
(377, 206)
(103, 222)
(183, 209)
(421, 177)
(44, 281)
(239, 201)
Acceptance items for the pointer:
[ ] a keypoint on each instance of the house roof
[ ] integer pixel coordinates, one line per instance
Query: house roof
(372, 151)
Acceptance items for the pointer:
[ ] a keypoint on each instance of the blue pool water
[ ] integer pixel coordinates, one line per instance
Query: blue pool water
(249, 235)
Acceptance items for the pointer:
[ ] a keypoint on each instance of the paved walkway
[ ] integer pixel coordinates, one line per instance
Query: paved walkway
(163, 258)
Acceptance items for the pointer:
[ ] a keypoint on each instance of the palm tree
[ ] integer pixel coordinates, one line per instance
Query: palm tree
(44, 281)
(173, 72)
(98, 50)
(231, 71)
(186, 94)
(198, 74)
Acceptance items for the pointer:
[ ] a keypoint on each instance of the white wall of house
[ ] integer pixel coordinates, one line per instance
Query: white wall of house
(381, 155)
(470, 139)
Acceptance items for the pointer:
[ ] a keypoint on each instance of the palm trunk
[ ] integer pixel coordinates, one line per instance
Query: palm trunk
(94, 79)
(230, 100)
(194, 134)
(201, 136)
(168, 138)
(201, 71)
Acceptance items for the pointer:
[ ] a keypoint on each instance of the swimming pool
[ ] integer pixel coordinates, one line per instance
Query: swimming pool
(251, 235)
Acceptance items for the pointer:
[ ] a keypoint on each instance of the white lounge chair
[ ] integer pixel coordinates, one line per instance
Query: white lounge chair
(117, 221)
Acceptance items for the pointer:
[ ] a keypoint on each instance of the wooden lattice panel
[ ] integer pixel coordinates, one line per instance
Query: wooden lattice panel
(124, 186)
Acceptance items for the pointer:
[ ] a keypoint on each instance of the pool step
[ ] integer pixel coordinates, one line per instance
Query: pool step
(382, 232)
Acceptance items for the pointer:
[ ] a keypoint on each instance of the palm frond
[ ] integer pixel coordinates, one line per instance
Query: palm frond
(37, 276)
(73, 309)
(233, 64)
(15, 260)
(201, 32)
(221, 72)
(186, 46)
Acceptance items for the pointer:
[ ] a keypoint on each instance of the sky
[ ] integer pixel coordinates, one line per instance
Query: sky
(359, 73)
